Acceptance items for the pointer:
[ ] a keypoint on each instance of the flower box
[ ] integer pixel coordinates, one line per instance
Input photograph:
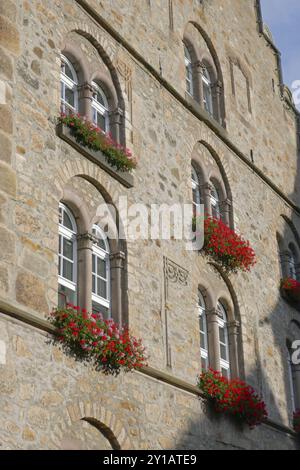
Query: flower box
(119, 168)
(296, 422)
(94, 339)
(291, 290)
(233, 397)
(226, 247)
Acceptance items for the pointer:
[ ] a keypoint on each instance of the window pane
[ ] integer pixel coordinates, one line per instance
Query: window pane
(101, 267)
(70, 97)
(98, 308)
(207, 98)
(201, 321)
(225, 373)
(101, 121)
(68, 71)
(66, 296)
(94, 284)
(223, 352)
(222, 335)
(59, 265)
(203, 340)
(68, 249)
(68, 270)
(67, 221)
(204, 363)
(101, 288)
(94, 263)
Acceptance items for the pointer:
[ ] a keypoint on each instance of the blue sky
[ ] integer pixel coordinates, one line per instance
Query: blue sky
(283, 18)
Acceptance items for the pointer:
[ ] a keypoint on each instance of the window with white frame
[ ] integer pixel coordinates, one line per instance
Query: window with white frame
(196, 193)
(203, 332)
(215, 202)
(188, 71)
(223, 340)
(101, 274)
(67, 257)
(207, 91)
(100, 108)
(69, 87)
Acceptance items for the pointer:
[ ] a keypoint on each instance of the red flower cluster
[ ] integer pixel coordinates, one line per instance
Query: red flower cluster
(91, 136)
(296, 421)
(226, 247)
(290, 284)
(93, 338)
(234, 397)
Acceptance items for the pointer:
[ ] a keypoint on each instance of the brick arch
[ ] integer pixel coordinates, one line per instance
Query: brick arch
(96, 415)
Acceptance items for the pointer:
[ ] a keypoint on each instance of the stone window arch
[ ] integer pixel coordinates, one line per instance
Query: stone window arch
(214, 187)
(289, 251)
(220, 334)
(203, 66)
(99, 262)
(67, 257)
(100, 96)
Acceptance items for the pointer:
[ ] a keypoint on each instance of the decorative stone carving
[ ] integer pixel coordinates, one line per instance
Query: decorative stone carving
(175, 273)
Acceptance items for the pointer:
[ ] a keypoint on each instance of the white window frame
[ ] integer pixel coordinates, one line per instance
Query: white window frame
(99, 108)
(215, 201)
(207, 85)
(104, 255)
(204, 352)
(71, 235)
(67, 82)
(222, 323)
(196, 189)
(189, 79)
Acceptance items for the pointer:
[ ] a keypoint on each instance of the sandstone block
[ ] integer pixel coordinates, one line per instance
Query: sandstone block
(31, 292)
(5, 146)
(9, 36)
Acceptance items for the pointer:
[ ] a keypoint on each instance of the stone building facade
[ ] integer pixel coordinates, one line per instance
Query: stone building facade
(237, 128)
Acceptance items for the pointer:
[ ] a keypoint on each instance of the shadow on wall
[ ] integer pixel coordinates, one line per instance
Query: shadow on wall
(272, 376)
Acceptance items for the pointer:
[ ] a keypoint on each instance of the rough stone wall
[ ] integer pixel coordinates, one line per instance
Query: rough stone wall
(37, 168)
(46, 394)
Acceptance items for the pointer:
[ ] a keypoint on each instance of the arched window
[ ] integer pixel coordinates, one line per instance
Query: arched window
(100, 108)
(196, 193)
(69, 85)
(188, 72)
(203, 332)
(67, 257)
(223, 340)
(215, 202)
(101, 274)
(207, 91)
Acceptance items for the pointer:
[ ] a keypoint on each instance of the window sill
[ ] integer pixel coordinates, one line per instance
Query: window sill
(125, 178)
